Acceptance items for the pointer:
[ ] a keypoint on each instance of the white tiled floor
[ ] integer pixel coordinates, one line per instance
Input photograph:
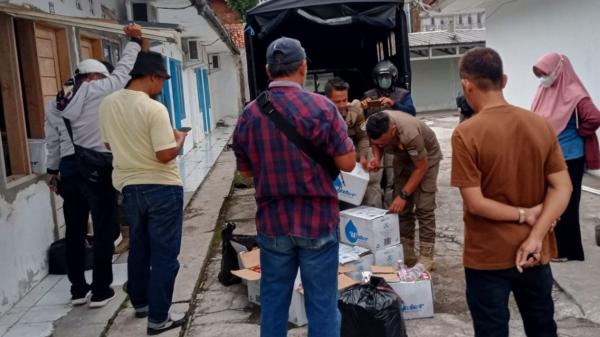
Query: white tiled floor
(49, 301)
(34, 315)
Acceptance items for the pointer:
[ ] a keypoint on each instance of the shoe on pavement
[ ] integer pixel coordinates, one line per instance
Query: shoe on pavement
(80, 300)
(172, 322)
(98, 301)
(142, 312)
(560, 259)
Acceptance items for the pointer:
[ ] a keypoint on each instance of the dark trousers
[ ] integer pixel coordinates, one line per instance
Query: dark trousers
(101, 201)
(488, 293)
(155, 218)
(568, 229)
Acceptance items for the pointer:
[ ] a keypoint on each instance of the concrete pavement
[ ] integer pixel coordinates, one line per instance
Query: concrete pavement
(46, 310)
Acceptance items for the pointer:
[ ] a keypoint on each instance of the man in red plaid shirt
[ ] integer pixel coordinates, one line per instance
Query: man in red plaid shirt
(297, 217)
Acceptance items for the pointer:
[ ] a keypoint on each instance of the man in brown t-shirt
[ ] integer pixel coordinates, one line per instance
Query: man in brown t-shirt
(514, 183)
(417, 156)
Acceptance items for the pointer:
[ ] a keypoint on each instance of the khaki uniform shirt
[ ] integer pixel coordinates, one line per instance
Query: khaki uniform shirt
(355, 119)
(414, 140)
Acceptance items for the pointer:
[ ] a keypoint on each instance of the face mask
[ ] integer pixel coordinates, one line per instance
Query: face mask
(547, 81)
(384, 82)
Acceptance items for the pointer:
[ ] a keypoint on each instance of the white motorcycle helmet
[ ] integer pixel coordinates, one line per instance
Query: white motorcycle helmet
(90, 66)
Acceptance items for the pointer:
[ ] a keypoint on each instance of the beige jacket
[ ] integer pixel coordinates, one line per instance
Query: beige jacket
(355, 119)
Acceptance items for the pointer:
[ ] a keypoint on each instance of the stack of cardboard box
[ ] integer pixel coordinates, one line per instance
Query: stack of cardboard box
(374, 229)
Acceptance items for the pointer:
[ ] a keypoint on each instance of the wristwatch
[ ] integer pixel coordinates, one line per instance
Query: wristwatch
(521, 215)
(404, 195)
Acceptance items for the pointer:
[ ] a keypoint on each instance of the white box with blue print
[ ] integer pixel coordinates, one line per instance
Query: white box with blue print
(351, 186)
(369, 227)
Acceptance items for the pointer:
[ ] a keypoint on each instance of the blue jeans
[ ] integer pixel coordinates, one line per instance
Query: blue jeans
(488, 292)
(155, 216)
(318, 258)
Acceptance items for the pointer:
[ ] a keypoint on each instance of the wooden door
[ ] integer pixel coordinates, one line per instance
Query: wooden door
(86, 49)
(90, 48)
(48, 60)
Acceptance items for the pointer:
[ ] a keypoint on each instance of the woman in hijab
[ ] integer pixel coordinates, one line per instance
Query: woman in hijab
(565, 103)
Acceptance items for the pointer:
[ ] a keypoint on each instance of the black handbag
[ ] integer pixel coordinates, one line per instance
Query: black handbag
(92, 165)
(316, 154)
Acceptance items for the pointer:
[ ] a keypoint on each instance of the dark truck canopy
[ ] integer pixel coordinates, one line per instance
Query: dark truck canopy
(343, 37)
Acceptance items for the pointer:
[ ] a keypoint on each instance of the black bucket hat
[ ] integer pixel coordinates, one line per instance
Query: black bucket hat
(150, 63)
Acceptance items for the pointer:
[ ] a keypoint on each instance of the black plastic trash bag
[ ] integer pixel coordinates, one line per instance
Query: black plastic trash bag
(229, 259)
(371, 310)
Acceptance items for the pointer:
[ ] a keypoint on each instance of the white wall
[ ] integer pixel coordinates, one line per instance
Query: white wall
(66, 7)
(435, 84)
(26, 232)
(225, 89)
(524, 30)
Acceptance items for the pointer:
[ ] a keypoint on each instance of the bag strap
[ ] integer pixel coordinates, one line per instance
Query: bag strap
(316, 154)
(69, 129)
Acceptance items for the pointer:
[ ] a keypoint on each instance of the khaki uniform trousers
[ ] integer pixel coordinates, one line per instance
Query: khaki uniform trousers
(421, 205)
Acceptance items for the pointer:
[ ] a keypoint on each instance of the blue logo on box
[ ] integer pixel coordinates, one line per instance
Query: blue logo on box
(352, 233)
(339, 188)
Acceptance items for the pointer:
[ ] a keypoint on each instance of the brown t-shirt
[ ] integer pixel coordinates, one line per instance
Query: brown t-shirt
(414, 141)
(509, 152)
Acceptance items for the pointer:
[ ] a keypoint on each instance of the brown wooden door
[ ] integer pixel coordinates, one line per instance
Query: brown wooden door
(47, 54)
(86, 49)
(90, 48)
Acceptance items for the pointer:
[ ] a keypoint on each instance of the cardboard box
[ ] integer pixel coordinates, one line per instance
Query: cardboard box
(389, 256)
(250, 260)
(369, 227)
(355, 259)
(297, 313)
(351, 186)
(417, 298)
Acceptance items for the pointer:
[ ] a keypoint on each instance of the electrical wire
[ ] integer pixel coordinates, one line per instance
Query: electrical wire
(210, 44)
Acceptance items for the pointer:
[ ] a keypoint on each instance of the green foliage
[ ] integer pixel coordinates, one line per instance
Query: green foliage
(242, 6)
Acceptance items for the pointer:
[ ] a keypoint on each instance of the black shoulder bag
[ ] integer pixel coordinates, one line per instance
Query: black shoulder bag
(316, 154)
(92, 165)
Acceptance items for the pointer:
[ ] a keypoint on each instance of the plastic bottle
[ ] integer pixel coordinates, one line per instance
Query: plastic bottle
(414, 274)
(402, 270)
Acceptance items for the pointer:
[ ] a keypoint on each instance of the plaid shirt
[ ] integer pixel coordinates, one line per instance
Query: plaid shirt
(294, 195)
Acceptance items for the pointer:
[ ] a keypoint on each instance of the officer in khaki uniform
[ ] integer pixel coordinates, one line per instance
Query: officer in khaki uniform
(416, 165)
(387, 96)
(336, 90)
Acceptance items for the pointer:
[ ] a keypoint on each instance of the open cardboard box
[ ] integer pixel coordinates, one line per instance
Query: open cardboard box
(356, 259)
(417, 297)
(250, 260)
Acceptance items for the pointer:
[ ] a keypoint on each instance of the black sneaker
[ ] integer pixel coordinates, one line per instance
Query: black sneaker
(142, 312)
(98, 301)
(171, 323)
(77, 300)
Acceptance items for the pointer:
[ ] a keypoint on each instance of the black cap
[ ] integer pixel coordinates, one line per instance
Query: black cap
(150, 63)
(285, 50)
